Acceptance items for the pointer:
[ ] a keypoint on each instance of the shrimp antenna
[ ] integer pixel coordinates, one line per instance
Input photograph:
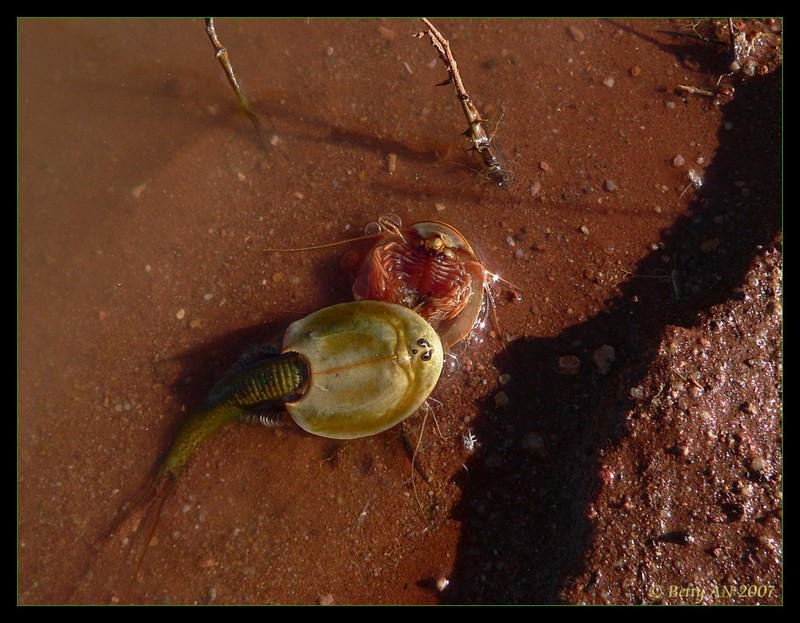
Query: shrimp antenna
(327, 245)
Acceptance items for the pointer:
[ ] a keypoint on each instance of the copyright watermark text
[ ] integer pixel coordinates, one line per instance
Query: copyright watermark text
(716, 593)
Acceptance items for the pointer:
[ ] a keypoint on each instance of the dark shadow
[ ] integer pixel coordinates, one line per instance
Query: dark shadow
(524, 510)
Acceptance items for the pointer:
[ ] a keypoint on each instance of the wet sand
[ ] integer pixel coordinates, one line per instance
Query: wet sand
(626, 410)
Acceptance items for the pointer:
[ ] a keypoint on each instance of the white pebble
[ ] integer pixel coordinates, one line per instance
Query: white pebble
(180, 313)
(678, 161)
(609, 82)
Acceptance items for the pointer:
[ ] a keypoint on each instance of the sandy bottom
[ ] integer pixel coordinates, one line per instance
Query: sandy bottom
(616, 437)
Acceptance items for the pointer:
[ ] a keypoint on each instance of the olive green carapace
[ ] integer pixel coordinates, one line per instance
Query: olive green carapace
(372, 364)
(267, 382)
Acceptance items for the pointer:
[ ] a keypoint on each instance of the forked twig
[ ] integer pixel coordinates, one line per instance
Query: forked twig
(224, 60)
(476, 133)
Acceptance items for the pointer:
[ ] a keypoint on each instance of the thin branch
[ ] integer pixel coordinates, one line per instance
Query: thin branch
(476, 133)
(224, 60)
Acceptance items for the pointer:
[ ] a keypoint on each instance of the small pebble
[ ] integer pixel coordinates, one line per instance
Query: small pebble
(757, 464)
(504, 378)
(576, 33)
(603, 357)
(180, 314)
(391, 163)
(748, 407)
(387, 33)
(137, 192)
(635, 71)
(534, 443)
(610, 186)
(678, 161)
(670, 105)
(501, 400)
(636, 393)
(569, 365)
(535, 189)
(544, 166)
(609, 82)
(325, 600)
(274, 140)
(442, 583)
(584, 230)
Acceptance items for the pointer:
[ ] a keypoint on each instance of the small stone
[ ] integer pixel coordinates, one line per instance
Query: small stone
(440, 207)
(544, 166)
(501, 400)
(678, 161)
(504, 378)
(274, 140)
(636, 393)
(748, 407)
(584, 230)
(194, 324)
(180, 313)
(535, 444)
(325, 600)
(391, 162)
(603, 357)
(635, 71)
(535, 189)
(569, 365)
(387, 33)
(757, 464)
(576, 33)
(609, 81)
(137, 192)
(442, 583)
(610, 186)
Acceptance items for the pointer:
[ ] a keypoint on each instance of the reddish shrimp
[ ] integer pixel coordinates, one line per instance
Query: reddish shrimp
(431, 268)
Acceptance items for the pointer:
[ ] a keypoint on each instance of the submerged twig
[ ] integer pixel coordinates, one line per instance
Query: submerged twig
(476, 133)
(224, 60)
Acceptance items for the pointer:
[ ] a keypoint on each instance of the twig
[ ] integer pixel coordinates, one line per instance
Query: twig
(224, 60)
(476, 133)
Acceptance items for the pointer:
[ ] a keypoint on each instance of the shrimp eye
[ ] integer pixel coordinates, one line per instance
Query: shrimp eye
(435, 244)
(428, 354)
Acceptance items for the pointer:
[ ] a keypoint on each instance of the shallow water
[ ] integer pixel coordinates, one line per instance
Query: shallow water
(146, 204)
